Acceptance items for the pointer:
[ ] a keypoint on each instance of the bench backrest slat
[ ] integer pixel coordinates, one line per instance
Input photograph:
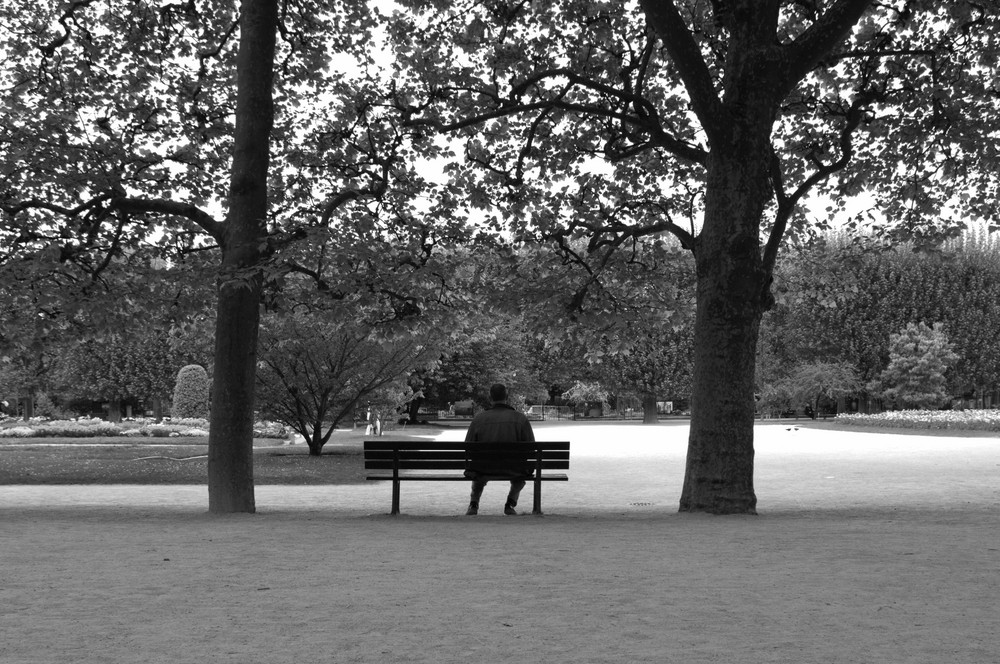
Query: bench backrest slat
(454, 454)
(430, 455)
(454, 445)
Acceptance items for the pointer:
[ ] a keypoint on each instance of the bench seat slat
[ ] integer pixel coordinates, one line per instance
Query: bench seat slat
(416, 464)
(415, 454)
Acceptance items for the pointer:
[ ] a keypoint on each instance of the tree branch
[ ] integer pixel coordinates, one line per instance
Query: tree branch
(163, 206)
(666, 22)
(786, 203)
(39, 204)
(819, 39)
(649, 123)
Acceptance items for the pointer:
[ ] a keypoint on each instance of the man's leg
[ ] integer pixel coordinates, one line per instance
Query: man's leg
(512, 496)
(477, 491)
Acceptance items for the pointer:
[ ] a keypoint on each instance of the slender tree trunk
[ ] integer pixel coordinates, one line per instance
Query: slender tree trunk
(114, 410)
(413, 409)
(315, 440)
(649, 414)
(230, 451)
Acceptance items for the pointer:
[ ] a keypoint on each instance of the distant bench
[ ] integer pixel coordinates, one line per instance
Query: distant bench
(409, 461)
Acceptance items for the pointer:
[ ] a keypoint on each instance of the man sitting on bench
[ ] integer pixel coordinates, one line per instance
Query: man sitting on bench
(501, 423)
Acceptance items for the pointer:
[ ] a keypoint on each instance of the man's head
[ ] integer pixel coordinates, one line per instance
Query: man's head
(498, 393)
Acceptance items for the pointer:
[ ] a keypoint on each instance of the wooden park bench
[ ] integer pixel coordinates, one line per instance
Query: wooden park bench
(420, 461)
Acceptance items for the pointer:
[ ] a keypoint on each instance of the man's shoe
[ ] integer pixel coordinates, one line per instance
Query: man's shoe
(473, 510)
(509, 510)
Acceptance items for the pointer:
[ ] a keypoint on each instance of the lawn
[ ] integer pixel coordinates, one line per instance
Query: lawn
(178, 460)
(183, 460)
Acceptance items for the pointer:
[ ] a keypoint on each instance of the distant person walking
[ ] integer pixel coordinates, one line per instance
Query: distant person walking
(374, 423)
(499, 424)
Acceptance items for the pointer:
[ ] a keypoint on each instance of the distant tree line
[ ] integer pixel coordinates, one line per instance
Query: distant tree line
(841, 302)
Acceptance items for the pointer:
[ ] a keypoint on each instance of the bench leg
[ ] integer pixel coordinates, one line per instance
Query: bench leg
(395, 497)
(536, 508)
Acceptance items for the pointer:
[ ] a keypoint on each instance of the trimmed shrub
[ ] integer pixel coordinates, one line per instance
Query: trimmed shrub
(191, 392)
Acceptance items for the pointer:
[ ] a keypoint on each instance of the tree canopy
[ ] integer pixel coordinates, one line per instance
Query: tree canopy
(316, 370)
(713, 122)
(841, 301)
(151, 126)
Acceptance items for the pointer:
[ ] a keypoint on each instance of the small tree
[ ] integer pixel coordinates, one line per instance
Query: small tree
(191, 392)
(315, 371)
(812, 381)
(919, 356)
(658, 366)
(582, 394)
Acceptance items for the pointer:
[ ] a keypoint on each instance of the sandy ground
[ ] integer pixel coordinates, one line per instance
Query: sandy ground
(868, 548)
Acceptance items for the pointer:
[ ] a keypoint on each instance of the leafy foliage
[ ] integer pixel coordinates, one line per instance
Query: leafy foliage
(492, 348)
(590, 125)
(842, 302)
(919, 356)
(585, 125)
(149, 130)
(191, 392)
(120, 367)
(658, 364)
(582, 393)
(812, 381)
(316, 369)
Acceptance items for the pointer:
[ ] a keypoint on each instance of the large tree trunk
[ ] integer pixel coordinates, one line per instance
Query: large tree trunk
(733, 292)
(413, 409)
(230, 443)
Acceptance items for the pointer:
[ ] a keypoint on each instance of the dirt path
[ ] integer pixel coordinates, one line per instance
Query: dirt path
(869, 548)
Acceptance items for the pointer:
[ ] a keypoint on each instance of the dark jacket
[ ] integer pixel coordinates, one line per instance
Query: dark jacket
(498, 424)
(501, 423)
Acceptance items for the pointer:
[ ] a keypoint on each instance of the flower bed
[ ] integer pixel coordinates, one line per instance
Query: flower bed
(976, 420)
(93, 427)
(81, 428)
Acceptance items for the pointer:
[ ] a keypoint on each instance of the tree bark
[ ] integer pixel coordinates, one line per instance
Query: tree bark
(649, 414)
(733, 291)
(230, 444)
(413, 410)
(316, 441)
